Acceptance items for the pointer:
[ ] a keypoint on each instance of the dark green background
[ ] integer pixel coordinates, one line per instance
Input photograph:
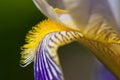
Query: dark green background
(16, 18)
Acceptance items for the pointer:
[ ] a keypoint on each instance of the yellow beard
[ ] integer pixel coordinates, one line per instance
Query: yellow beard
(100, 38)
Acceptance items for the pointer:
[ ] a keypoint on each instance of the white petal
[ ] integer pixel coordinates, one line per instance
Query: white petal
(46, 9)
(68, 21)
(79, 10)
(83, 11)
(56, 3)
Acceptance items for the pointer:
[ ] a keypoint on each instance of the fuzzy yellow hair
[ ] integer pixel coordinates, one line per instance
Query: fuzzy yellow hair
(35, 36)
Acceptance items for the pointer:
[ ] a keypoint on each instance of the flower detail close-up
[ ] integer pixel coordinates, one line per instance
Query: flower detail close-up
(93, 23)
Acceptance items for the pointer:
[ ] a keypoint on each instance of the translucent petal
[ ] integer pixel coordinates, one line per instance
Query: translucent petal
(80, 12)
(56, 3)
(83, 11)
(46, 9)
(55, 10)
(115, 6)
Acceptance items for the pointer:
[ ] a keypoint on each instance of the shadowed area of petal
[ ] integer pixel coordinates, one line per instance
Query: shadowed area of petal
(56, 3)
(102, 73)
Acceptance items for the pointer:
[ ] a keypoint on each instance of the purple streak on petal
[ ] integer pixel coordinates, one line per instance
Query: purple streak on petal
(59, 75)
(52, 64)
(45, 68)
(102, 73)
(45, 74)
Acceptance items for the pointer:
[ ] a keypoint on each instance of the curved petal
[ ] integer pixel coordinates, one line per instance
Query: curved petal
(34, 37)
(45, 68)
(104, 42)
(46, 9)
(83, 11)
(46, 65)
(80, 12)
(56, 3)
(56, 12)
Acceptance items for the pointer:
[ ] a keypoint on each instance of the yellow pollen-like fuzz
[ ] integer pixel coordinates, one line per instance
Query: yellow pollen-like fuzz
(57, 10)
(35, 36)
(40, 30)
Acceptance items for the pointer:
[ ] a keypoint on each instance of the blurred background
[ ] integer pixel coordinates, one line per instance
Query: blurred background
(16, 19)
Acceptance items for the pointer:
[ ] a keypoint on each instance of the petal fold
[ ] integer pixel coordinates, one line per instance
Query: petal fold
(46, 9)
(81, 12)
(46, 65)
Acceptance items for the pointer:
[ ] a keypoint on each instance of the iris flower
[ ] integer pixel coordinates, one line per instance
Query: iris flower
(93, 23)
